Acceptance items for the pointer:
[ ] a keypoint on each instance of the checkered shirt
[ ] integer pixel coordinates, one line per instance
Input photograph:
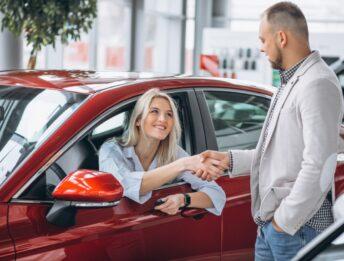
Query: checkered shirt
(323, 217)
(285, 76)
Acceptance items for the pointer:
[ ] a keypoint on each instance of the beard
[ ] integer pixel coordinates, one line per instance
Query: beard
(277, 63)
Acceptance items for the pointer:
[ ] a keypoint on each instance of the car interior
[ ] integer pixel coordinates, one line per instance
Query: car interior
(84, 153)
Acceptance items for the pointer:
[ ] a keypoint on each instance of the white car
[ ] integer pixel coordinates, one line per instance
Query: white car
(329, 245)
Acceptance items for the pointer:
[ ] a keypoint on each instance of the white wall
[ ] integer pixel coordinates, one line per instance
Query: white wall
(10, 50)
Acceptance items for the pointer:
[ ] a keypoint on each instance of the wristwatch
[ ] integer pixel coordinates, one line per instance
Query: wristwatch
(187, 200)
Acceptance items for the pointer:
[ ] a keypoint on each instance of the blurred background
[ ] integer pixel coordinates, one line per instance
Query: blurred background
(199, 37)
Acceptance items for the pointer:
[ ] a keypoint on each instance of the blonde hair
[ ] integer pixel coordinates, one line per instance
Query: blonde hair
(167, 149)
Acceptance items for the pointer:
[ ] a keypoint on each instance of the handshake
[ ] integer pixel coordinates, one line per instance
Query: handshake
(208, 165)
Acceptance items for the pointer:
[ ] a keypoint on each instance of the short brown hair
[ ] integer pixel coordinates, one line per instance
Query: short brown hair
(289, 16)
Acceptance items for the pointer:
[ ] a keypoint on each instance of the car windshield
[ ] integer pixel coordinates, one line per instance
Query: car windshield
(27, 117)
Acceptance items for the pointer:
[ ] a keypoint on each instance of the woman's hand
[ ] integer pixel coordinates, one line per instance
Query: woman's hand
(172, 204)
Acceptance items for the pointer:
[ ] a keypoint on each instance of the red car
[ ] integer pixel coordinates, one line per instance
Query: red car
(52, 124)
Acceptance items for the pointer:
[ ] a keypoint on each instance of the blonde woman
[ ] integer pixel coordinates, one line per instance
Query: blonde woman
(148, 156)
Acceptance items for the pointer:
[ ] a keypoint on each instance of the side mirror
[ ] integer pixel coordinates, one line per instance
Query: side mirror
(83, 189)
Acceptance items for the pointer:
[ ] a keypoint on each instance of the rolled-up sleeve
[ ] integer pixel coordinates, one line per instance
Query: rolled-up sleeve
(112, 160)
(212, 189)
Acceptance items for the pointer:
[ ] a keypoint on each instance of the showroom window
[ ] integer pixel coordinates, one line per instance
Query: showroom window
(114, 26)
(165, 46)
(322, 16)
(189, 36)
(77, 54)
(163, 22)
(105, 47)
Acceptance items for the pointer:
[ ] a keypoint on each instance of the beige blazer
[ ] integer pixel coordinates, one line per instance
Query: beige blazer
(291, 179)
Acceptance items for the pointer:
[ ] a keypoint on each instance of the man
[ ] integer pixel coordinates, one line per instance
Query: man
(293, 165)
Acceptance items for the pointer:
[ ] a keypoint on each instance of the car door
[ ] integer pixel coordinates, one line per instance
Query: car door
(127, 231)
(233, 120)
(6, 244)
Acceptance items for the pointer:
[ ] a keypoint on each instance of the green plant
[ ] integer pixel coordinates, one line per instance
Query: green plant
(43, 20)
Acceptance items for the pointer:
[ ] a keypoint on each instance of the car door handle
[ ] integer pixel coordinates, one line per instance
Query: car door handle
(194, 213)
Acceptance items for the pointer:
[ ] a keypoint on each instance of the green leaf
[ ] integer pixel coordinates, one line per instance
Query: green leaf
(42, 21)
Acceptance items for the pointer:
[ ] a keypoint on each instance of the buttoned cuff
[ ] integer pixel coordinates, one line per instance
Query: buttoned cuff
(241, 163)
(231, 161)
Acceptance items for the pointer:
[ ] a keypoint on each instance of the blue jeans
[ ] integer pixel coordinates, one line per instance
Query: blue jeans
(273, 245)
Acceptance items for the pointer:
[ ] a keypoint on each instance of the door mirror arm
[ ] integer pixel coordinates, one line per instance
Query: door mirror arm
(62, 214)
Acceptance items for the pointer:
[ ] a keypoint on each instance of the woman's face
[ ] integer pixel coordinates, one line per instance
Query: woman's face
(159, 121)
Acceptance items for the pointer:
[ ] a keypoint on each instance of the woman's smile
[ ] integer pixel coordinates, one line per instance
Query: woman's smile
(160, 127)
(159, 120)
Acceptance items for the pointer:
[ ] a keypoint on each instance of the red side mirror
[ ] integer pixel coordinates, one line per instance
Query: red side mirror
(89, 186)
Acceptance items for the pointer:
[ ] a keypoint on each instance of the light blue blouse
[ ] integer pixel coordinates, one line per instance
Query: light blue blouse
(125, 165)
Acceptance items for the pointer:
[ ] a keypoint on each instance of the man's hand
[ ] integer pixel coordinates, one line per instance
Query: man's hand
(172, 204)
(222, 159)
(210, 168)
(276, 227)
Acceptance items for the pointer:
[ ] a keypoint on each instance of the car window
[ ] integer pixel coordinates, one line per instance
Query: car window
(341, 79)
(84, 153)
(43, 187)
(340, 75)
(237, 118)
(28, 117)
(116, 122)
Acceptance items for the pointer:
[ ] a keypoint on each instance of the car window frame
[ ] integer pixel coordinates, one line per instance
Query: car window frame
(196, 143)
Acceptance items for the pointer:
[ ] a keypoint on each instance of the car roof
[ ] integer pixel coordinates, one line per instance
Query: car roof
(70, 80)
(89, 82)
